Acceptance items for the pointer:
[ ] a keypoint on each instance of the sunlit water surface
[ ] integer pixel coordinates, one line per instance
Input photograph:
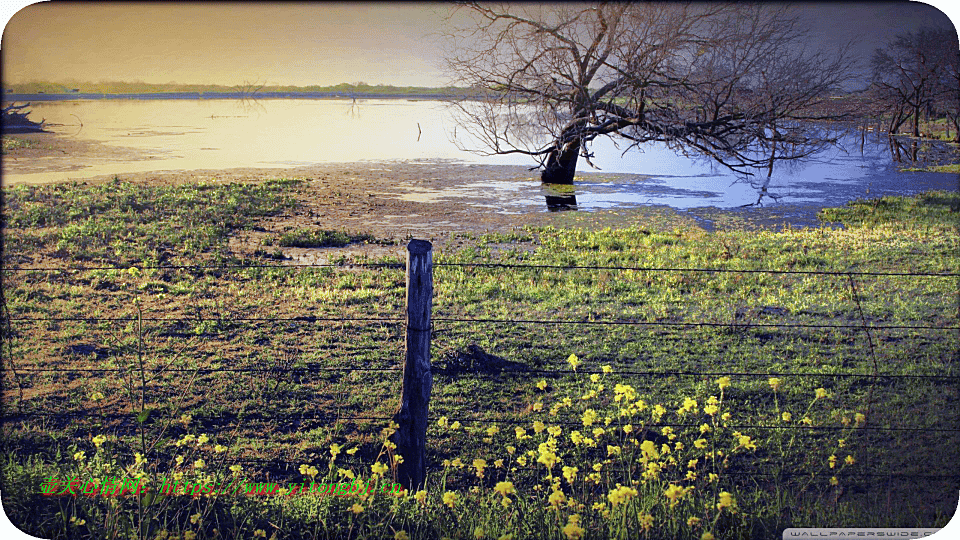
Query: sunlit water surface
(225, 134)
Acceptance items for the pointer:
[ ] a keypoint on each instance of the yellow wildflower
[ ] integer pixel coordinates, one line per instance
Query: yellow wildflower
(649, 450)
(820, 393)
(774, 383)
(849, 460)
(723, 382)
(673, 492)
(556, 499)
(573, 361)
(401, 535)
(505, 488)
(449, 498)
(356, 508)
(646, 521)
(747, 442)
(572, 529)
(786, 416)
(621, 494)
(570, 473)
(378, 468)
(832, 460)
(576, 437)
(726, 501)
(607, 368)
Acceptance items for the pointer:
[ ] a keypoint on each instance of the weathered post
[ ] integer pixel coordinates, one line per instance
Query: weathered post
(411, 435)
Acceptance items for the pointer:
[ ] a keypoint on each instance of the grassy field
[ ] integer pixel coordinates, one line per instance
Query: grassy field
(612, 401)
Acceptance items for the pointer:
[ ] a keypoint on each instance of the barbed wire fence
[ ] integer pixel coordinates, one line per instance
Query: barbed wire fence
(127, 423)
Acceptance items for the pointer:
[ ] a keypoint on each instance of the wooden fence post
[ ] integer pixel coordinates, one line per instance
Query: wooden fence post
(411, 435)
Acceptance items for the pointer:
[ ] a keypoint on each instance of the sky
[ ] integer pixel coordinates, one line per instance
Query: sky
(307, 43)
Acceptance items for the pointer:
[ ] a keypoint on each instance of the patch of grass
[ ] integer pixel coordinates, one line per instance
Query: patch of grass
(936, 209)
(262, 373)
(318, 238)
(126, 223)
(11, 144)
(950, 168)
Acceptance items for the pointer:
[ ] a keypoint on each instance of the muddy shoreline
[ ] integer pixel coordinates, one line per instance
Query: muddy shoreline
(434, 200)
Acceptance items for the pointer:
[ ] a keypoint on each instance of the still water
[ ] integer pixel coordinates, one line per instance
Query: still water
(281, 133)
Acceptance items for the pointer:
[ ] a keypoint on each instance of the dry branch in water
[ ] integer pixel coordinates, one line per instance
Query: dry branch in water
(735, 82)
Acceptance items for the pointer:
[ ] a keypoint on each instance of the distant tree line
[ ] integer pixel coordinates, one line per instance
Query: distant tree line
(917, 75)
(120, 87)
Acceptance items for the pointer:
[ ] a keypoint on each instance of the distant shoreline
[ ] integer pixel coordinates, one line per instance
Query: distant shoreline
(10, 98)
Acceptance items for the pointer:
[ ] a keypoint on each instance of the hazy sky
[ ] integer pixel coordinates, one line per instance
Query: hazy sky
(303, 43)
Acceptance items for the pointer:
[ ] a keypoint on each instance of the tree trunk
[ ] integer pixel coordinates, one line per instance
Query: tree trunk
(561, 165)
(916, 120)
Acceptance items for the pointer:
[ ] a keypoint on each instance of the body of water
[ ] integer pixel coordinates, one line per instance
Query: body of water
(282, 133)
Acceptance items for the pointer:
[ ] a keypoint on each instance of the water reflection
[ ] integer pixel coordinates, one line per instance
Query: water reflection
(559, 197)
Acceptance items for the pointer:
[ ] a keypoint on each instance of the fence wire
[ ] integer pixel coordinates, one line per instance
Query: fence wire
(235, 422)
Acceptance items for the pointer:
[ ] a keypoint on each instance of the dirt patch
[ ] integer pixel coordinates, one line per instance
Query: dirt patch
(44, 152)
(394, 201)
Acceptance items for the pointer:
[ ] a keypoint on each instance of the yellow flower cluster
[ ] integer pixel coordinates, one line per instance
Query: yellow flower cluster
(674, 492)
(727, 501)
(572, 529)
(621, 495)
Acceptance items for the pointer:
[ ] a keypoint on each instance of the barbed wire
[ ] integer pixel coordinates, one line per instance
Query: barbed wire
(705, 270)
(463, 420)
(701, 324)
(843, 273)
(396, 320)
(201, 267)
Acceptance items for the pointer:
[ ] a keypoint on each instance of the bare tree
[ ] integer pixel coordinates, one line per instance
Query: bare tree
(733, 82)
(914, 72)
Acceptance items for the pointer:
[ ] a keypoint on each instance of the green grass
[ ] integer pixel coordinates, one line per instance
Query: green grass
(256, 368)
(949, 168)
(11, 144)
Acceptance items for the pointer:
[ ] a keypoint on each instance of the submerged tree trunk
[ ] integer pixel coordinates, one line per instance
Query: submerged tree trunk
(561, 165)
